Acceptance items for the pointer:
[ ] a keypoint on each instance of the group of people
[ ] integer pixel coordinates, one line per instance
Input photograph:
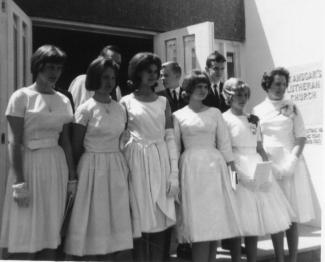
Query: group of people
(141, 165)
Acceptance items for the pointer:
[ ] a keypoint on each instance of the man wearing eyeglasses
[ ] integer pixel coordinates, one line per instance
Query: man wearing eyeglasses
(77, 87)
(215, 68)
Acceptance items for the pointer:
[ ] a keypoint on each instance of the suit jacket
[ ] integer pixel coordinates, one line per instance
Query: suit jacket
(216, 101)
(174, 105)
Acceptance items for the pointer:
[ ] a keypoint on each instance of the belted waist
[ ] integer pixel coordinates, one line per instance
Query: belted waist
(41, 143)
(146, 142)
(102, 150)
(106, 146)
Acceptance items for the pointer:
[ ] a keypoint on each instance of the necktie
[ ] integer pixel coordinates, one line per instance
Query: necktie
(174, 95)
(215, 89)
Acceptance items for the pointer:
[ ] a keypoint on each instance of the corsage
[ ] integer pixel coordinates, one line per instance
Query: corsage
(288, 110)
(253, 122)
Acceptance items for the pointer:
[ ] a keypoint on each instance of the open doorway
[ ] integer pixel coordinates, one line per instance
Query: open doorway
(82, 47)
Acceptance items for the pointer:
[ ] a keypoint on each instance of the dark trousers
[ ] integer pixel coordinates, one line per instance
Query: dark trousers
(150, 247)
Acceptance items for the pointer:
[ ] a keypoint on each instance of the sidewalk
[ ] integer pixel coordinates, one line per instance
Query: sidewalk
(309, 248)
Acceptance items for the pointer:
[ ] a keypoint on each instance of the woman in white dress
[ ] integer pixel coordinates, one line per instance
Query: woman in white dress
(207, 211)
(152, 157)
(263, 207)
(101, 220)
(284, 138)
(40, 160)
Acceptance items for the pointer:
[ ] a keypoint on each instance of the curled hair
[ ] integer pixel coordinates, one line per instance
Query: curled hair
(232, 87)
(46, 54)
(192, 79)
(95, 71)
(268, 78)
(139, 63)
(215, 57)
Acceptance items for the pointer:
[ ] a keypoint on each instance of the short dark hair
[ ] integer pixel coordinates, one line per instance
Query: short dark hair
(174, 66)
(46, 54)
(215, 57)
(95, 71)
(113, 48)
(268, 78)
(139, 63)
(192, 79)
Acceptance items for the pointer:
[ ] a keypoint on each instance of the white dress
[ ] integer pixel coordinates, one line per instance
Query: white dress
(261, 212)
(80, 94)
(208, 210)
(101, 220)
(279, 132)
(45, 171)
(148, 160)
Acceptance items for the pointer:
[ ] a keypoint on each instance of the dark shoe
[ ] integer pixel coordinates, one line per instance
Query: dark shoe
(226, 246)
(184, 251)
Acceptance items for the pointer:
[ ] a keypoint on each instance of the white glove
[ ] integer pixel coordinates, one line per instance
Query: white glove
(173, 181)
(290, 166)
(21, 194)
(246, 181)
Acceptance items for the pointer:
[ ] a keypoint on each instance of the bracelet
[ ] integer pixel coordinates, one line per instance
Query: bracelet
(74, 181)
(19, 185)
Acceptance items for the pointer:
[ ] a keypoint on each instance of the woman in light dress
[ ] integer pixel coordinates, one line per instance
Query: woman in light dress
(101, 220)
(40, 161)
(152, 157)
(263, 207)
(207, 210)
(284, 138)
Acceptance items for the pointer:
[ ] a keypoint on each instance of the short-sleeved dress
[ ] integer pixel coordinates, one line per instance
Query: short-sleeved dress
(261, 212)
(279, 130)
(45, 170)
(148, 159)
(208, 210)
(101, 219)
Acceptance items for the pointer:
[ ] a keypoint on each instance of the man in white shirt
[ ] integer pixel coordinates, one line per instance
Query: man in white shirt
(77, 87)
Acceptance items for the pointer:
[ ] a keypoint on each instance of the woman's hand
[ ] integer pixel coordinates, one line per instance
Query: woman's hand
(124, 138)
(21, 194)
(173, 186)
(246, 181)
(290, 166)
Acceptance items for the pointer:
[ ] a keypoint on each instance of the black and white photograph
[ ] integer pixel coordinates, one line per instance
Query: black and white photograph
(162, 130)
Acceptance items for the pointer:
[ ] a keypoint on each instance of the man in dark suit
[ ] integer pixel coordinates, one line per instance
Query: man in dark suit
(170, 75)
(215, 68)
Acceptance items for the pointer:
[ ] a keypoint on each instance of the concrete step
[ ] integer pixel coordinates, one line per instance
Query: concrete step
(309, 248)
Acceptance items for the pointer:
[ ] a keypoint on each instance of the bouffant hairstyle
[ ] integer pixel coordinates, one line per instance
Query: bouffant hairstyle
(215, 57)
(268, 78)
(232, 87)
(192, 79)
(95, 71)
(46, 54)
(139, 63)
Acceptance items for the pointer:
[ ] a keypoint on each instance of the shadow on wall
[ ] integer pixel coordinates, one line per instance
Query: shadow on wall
(256, 53)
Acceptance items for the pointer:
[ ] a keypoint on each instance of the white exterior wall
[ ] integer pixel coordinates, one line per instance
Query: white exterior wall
(284, 33)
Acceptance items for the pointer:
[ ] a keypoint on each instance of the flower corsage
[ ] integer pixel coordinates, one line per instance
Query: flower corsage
(253, 122)
(288, 110)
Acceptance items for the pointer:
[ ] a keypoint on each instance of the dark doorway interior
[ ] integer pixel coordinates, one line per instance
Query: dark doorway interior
(83, 47)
